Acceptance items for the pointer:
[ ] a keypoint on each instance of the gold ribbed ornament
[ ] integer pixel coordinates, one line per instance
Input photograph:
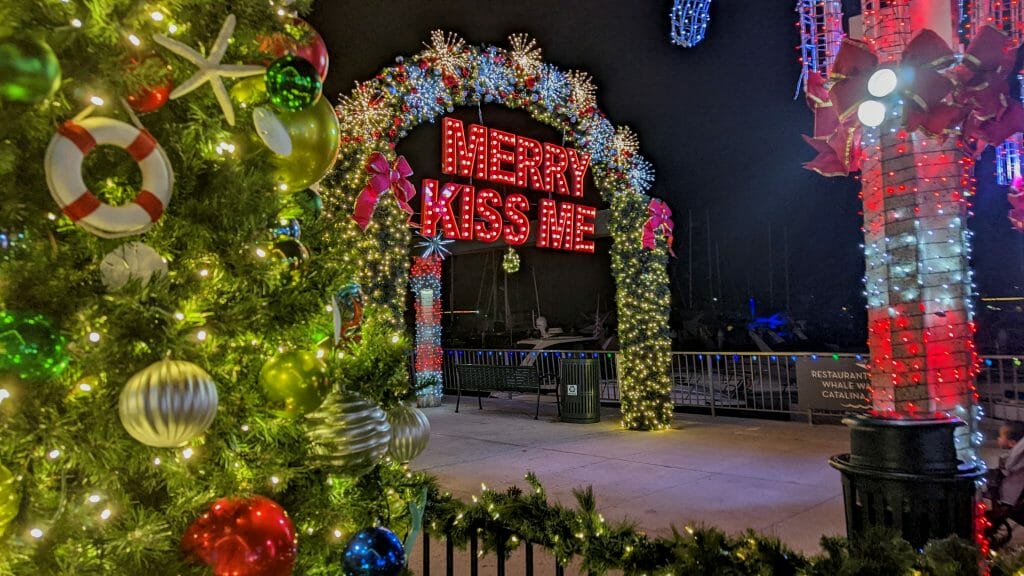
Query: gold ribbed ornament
(410, 432)
(349, 433)
(168, 403)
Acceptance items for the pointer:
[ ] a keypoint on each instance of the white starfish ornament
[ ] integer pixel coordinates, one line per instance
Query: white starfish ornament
(210, 68)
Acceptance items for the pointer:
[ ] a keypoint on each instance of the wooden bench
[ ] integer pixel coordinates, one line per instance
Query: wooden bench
(485, 378)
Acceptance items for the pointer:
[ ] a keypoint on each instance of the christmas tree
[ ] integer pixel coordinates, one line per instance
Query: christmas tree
(180, 346)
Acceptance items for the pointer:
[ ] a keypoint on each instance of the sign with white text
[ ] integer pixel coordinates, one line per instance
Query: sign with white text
(838, 384)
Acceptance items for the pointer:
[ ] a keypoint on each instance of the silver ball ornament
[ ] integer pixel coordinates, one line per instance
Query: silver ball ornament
(410, 432)
(168, 403)
(348, 433)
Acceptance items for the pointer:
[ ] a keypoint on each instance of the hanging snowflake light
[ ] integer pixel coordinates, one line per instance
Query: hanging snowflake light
(511, 262)
(689, 21)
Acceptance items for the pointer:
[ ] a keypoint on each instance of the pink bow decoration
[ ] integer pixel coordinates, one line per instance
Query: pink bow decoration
(384, 177)
(1016, 198)
(659, 220)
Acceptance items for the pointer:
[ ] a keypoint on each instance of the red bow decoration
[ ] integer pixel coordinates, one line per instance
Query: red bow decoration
(384, 177)
(659, 220)
(982, 90)
(837, 143)
(974, 94)
(1016, 198)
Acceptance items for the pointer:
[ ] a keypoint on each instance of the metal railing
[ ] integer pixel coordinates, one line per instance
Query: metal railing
(747, 381)
(473, 558)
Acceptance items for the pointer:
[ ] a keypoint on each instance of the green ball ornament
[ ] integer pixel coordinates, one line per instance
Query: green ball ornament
(29, 70)
(249, 93)
(314, 136)
(30, 346)
(293, 83)
(294, 382)
(311, 203)
(9, 498)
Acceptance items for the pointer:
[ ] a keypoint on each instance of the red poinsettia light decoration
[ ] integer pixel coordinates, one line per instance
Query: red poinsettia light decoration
(935, 94)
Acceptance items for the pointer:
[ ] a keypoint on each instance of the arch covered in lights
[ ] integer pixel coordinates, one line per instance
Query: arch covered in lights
(450, 74)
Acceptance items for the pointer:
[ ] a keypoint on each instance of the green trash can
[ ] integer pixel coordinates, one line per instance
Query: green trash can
(578, 390)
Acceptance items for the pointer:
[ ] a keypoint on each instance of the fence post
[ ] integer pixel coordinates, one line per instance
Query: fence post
(711, 382)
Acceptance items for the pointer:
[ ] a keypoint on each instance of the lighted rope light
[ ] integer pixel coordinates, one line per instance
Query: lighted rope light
(690, 21)
(821, 34)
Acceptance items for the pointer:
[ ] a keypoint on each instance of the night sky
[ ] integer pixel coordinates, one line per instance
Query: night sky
(722, 129)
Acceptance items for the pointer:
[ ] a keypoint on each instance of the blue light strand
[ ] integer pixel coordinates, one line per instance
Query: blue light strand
(689, 21)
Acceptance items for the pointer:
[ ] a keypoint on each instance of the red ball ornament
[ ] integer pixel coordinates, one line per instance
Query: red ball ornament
(309, 45)
(243, 537)
(150, 98)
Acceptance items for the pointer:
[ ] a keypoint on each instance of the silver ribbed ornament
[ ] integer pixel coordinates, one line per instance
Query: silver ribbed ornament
(410, 432)
(168, 403)
(349, 433)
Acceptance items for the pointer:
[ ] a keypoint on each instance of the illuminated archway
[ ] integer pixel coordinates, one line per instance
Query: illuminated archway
(449, 74)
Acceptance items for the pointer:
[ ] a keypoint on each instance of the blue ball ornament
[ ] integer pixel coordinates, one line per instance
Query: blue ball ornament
(374, 552)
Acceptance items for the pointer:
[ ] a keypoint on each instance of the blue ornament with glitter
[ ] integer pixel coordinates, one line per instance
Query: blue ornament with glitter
(690, 21)
(374, 552)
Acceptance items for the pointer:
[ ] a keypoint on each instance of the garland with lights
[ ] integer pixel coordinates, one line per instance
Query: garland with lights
(504, 520)
(380, 112)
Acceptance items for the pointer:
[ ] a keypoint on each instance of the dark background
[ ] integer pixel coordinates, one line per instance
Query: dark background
(722, 129)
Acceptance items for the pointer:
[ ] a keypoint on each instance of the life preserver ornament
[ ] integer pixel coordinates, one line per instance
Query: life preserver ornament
(69, 147)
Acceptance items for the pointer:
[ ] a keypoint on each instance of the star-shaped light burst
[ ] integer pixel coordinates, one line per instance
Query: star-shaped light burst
(435, 246)
(448, 51)
(210, 68)
(525, 53)
(584, 93)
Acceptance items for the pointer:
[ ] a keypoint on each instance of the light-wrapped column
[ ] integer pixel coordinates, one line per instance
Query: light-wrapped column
(425, 283)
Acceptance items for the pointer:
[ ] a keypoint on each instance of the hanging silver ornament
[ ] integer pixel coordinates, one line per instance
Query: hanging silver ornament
(410, 432)
(168, 403)
(131, 261)
(348, 433)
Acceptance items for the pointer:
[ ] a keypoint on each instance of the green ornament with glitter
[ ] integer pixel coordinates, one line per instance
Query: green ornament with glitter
(30, 347)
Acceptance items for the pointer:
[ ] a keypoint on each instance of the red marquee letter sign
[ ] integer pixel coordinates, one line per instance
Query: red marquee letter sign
(578, 164)
(500, 156)
(518, 228)
(488, 229)
(584, 226)
(460, 158)
(555, 225)
(529, 156)
(555, 163)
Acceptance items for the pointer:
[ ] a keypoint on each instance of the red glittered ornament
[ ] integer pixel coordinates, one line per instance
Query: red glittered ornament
(243, 537)
(150, 98)
(300, 40)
